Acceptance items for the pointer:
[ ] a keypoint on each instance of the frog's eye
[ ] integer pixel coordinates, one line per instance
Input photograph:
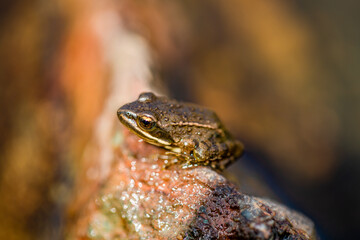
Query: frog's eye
(146, 122)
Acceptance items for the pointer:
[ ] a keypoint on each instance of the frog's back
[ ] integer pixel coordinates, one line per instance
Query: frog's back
(192, 115)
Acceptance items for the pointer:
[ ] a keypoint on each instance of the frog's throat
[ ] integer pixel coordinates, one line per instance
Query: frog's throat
(150, 139)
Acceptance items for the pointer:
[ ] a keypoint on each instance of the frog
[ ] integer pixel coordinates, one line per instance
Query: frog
(191, 134)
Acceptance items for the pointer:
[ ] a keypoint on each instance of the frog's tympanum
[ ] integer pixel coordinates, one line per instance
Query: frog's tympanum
(193, 134)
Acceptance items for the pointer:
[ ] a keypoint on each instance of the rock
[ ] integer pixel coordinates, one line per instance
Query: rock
(142, 200)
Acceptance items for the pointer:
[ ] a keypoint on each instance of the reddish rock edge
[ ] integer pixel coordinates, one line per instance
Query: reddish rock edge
(141, 200)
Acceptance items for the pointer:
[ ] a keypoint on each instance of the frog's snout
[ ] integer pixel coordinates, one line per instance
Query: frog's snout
(127, 118)
(125, 114)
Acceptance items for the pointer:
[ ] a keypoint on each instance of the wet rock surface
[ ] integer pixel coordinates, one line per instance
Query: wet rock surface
(229, 214)
(142, 200)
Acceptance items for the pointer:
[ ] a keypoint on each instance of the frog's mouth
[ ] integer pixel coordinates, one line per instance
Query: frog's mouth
(128, 118)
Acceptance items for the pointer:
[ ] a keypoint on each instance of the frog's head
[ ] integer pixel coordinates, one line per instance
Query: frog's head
(144, 119)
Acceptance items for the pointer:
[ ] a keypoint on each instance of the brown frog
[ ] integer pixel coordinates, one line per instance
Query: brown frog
(193, 134)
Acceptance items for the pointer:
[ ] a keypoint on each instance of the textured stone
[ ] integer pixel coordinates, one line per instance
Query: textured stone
(142, 200)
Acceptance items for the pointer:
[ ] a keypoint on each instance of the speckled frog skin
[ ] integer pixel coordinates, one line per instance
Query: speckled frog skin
(193, 134)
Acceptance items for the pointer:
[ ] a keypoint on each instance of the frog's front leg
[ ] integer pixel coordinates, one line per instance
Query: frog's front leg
(185, 160)
(175, 158)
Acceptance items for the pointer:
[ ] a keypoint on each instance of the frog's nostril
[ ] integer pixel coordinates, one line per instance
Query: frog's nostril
(121, 113)
(125, 114)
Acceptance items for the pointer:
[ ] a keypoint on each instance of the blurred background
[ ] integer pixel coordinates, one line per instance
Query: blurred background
(282, 75)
